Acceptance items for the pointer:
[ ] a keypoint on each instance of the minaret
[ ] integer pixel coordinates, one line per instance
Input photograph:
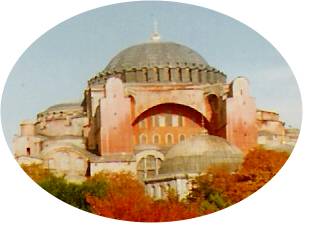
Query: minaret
(155, 37)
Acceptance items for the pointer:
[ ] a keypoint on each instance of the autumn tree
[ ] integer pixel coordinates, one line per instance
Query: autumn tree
(258, 168)
(126, 200)
(69, 192)
(36, 172)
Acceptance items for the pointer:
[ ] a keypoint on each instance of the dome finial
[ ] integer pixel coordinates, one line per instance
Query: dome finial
(155, 37)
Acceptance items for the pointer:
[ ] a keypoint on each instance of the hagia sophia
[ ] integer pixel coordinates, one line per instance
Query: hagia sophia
(158, 110)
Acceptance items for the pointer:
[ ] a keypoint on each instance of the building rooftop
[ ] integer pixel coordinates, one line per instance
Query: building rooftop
(156, 54)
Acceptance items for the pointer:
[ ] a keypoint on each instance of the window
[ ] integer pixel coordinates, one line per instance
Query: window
(169, 139)
(28, 151)
(142, 139)
(156, 139)
(161, 121)
(147, 167)
(182, 138)
(175, 120)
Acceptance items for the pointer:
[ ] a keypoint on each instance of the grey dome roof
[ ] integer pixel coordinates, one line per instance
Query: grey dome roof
(155, 54)
(200, 153)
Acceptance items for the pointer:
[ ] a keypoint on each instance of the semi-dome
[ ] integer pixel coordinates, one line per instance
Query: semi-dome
(71, 106)
(200, 153)
(156, 54)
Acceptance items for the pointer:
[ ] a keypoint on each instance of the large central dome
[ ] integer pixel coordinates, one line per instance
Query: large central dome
(159, 62)
(156, 54)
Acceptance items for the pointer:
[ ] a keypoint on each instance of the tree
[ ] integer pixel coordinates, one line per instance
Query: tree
(36, 172)
(126, 200)
(257, 169)
(71, 193)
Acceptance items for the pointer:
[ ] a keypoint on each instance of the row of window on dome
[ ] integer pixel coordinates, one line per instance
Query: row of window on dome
(156, 139)
(162, 120)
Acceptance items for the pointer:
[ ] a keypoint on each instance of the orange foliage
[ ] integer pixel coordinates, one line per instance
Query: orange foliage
(257, 169)
(126, 200)
(36, 172)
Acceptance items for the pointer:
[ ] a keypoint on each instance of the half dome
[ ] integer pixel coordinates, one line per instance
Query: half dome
(200, 153)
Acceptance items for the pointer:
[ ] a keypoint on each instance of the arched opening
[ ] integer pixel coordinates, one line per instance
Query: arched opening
(182, 138)
(132, 106)
(169, 121)
(28, 151)
(148, 167)
(169, 139)
(156, 139)
(183, 111)
(148, 163)
(142, 139)
(214, 102)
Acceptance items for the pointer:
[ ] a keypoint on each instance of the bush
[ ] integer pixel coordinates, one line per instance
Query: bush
(71, 193)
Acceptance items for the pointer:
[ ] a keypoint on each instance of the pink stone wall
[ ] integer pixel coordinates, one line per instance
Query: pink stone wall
(115, 115)
(241, 129)
(150, 97)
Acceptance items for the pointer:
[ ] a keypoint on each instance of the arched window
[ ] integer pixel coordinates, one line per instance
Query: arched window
(142, 139)
(156, 139)
(148, 167)
(169, 139)
(28, 151)
(182, 138)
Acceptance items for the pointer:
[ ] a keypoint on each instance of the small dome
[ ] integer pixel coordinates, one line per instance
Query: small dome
(155, 54)
(64, 107)
(200, 153)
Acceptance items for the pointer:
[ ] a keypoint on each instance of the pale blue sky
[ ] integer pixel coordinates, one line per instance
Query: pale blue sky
(57, 66)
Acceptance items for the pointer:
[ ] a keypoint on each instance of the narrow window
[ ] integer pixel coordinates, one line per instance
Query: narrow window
(175, 120)
(169, 139)
(28, 151)
(143, 139)
(182, 138)
(156, 139)
(161, 121)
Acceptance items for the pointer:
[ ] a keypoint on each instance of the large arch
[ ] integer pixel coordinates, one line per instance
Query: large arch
(178, 109)
(67, 159)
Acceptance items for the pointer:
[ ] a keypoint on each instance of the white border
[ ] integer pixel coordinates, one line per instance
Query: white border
(283, 205)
